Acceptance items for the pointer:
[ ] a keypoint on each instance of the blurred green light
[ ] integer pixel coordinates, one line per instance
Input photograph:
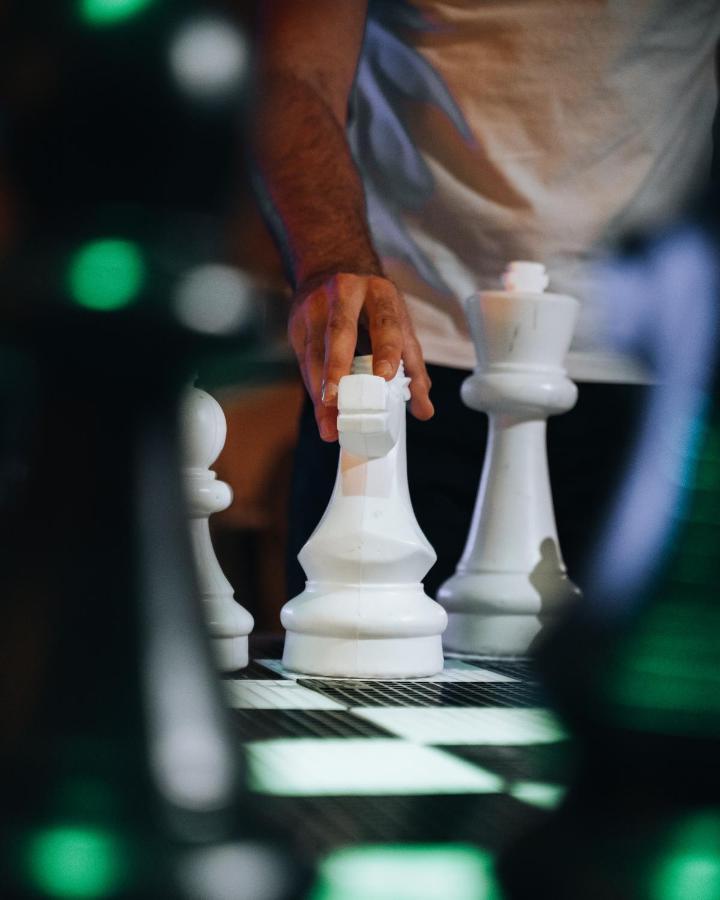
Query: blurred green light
(690, 875)
(75, 862)
(691, 868)
(106, 275)
(108, 12)
(664, 675)
(407, 872)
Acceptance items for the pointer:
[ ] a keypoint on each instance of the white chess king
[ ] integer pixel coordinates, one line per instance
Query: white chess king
(363, 612)
(203, 431)
(511, 579)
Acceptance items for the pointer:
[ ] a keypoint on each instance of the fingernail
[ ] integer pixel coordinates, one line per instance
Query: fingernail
(383, 369)
(329, 393)
(327, 432)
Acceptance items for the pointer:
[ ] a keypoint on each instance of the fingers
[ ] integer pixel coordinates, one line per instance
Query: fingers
(313, 365)
(420, 404)
(346, 294)
(314, 362)
(393, 339)
(385, 313)
(306, 331)
(326, 418)
(323, 331)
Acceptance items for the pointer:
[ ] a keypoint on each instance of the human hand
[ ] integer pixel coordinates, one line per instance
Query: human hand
(323, 331)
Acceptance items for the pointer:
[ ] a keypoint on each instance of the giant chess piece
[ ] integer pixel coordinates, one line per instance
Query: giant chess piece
(511, 578)
(363, 612)
(204, 430)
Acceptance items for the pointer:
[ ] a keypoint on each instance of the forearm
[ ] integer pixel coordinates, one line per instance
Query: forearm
(309, 178)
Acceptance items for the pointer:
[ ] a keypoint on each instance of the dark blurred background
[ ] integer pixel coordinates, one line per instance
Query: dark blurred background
(122, 143)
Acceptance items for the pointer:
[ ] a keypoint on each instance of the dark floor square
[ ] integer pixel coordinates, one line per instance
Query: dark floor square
(265, 724)
(408, 693)
(552, 763)
(518, 667)
(321, 824)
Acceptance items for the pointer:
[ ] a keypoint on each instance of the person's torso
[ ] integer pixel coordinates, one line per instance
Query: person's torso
(535, 129)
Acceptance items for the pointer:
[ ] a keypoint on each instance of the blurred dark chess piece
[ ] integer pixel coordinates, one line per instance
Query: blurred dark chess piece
(118, 773)
(635, 669)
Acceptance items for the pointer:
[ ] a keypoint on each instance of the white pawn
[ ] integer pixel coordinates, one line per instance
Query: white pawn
(363, 612)
(203, 430)
(511, 579)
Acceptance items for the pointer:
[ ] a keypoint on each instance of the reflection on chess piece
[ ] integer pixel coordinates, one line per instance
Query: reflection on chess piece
(363, 612)
(204, 430)
(511, 577)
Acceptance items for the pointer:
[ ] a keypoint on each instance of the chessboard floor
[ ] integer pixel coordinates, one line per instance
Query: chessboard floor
(458, 763)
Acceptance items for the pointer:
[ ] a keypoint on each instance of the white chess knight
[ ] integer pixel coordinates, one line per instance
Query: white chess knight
(203, 432)
(511, 579)
(363, 612)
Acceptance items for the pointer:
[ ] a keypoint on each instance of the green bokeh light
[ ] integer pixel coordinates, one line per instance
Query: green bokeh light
(691, 867)
(664, 675)
(109, 12)
(106, 275)
(407, 872)
(75, 862)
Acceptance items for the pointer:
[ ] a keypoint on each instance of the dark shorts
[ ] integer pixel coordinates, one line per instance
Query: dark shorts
(587, 452)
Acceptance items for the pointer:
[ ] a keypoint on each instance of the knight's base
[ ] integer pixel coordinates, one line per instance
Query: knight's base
(396, 657)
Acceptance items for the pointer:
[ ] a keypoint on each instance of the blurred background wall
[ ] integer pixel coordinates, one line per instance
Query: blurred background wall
(136, 106)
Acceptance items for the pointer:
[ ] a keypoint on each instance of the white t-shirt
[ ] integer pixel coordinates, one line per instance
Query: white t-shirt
(527, 129)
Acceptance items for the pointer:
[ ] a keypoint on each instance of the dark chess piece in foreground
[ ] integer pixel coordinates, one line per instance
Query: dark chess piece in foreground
(635, 672)
(116, 751)
(118, 775)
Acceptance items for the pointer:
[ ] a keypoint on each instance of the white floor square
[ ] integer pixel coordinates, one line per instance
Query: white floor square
(486, 726)
(361, 766)
(248, 694)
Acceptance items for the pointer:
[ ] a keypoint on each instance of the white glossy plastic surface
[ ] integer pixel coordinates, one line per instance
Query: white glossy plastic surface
(511, 579)
(363, 612)
(203, 431)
